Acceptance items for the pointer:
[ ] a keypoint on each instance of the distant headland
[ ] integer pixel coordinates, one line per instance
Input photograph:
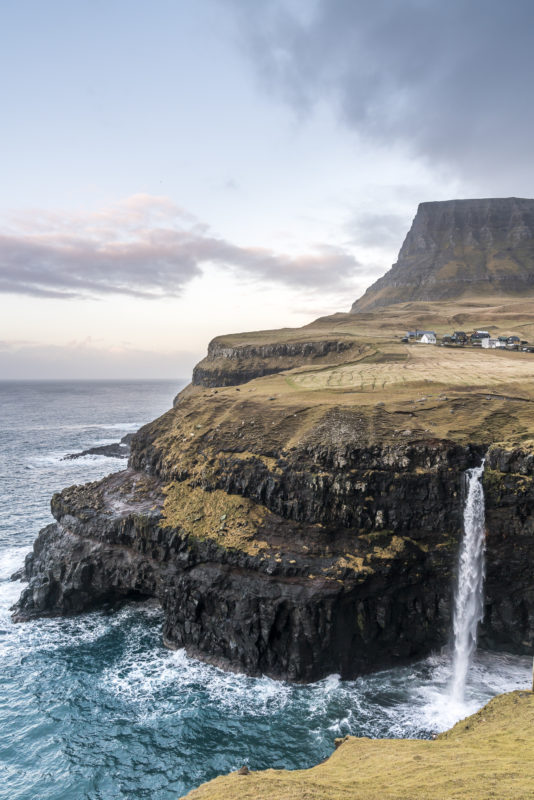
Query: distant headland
(461, 248)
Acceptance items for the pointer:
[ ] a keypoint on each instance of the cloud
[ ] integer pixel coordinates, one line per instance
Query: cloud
(145, 246)
(370, 229)
(86, 359)
(450, 81)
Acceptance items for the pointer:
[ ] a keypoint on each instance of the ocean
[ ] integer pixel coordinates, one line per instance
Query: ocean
(95, 708)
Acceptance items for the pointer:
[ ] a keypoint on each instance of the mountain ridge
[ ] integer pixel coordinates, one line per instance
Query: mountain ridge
(458, 248)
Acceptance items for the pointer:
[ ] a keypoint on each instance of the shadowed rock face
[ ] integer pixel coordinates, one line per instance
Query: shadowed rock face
(509, 589)
(458, 248)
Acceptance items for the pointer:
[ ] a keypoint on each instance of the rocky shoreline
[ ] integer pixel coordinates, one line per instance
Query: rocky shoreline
(115, 450)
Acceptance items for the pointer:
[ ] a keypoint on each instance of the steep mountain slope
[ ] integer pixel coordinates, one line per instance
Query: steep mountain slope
(461, 248)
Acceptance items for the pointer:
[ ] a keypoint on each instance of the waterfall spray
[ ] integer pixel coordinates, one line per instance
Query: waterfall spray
(468, 601)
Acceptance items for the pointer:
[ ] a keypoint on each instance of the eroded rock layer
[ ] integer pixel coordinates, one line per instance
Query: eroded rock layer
(509, 588)
(229, 364)
(248, 588)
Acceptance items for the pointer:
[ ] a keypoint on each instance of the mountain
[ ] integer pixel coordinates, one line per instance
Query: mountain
(461, 248)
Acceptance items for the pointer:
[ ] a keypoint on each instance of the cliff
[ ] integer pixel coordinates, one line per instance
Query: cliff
(255, 560)
(459, 248)
(486, 755)
(307, 521)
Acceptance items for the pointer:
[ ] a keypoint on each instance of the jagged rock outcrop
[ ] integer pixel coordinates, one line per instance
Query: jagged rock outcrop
(456, 248)
(115, 450)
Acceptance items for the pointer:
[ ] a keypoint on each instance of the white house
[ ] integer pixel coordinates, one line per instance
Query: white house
(428, 337)
(492, 344)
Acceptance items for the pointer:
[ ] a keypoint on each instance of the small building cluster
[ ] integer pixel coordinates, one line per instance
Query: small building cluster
(478, 338)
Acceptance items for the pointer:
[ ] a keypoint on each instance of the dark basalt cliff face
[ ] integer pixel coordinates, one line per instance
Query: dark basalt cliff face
(343, 572)
(509, 588)
(461, 247)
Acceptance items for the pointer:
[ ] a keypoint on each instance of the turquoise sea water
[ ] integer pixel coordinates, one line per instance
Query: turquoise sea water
(94, 707)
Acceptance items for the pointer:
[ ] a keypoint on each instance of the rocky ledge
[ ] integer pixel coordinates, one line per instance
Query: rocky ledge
(115, 450)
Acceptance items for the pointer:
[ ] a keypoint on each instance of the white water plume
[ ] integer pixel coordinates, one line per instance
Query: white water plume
(468, 601)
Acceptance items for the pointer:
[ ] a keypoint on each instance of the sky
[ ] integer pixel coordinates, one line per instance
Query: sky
(173, 170)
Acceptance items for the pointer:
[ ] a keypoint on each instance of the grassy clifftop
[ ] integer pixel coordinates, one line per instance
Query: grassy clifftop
(487, 755)
(358, 360)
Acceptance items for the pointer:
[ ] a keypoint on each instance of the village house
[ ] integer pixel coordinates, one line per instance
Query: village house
(427, 337)
(492, 344)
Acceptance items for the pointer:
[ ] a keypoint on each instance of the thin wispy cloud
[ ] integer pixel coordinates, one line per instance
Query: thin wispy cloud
(147, 247)
(376, 229)
(88, 358)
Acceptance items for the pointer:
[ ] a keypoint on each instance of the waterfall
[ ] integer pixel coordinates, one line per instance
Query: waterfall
(468, 601)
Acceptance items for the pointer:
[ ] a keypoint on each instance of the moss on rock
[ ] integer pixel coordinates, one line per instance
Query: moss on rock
(229, 520)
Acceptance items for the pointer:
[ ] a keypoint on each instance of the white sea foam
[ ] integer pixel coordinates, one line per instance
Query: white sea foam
(115, 462)
(11, 559)
(431, 705)
(127, 427)
(57, 460)
(141, 676)
(416, 699)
